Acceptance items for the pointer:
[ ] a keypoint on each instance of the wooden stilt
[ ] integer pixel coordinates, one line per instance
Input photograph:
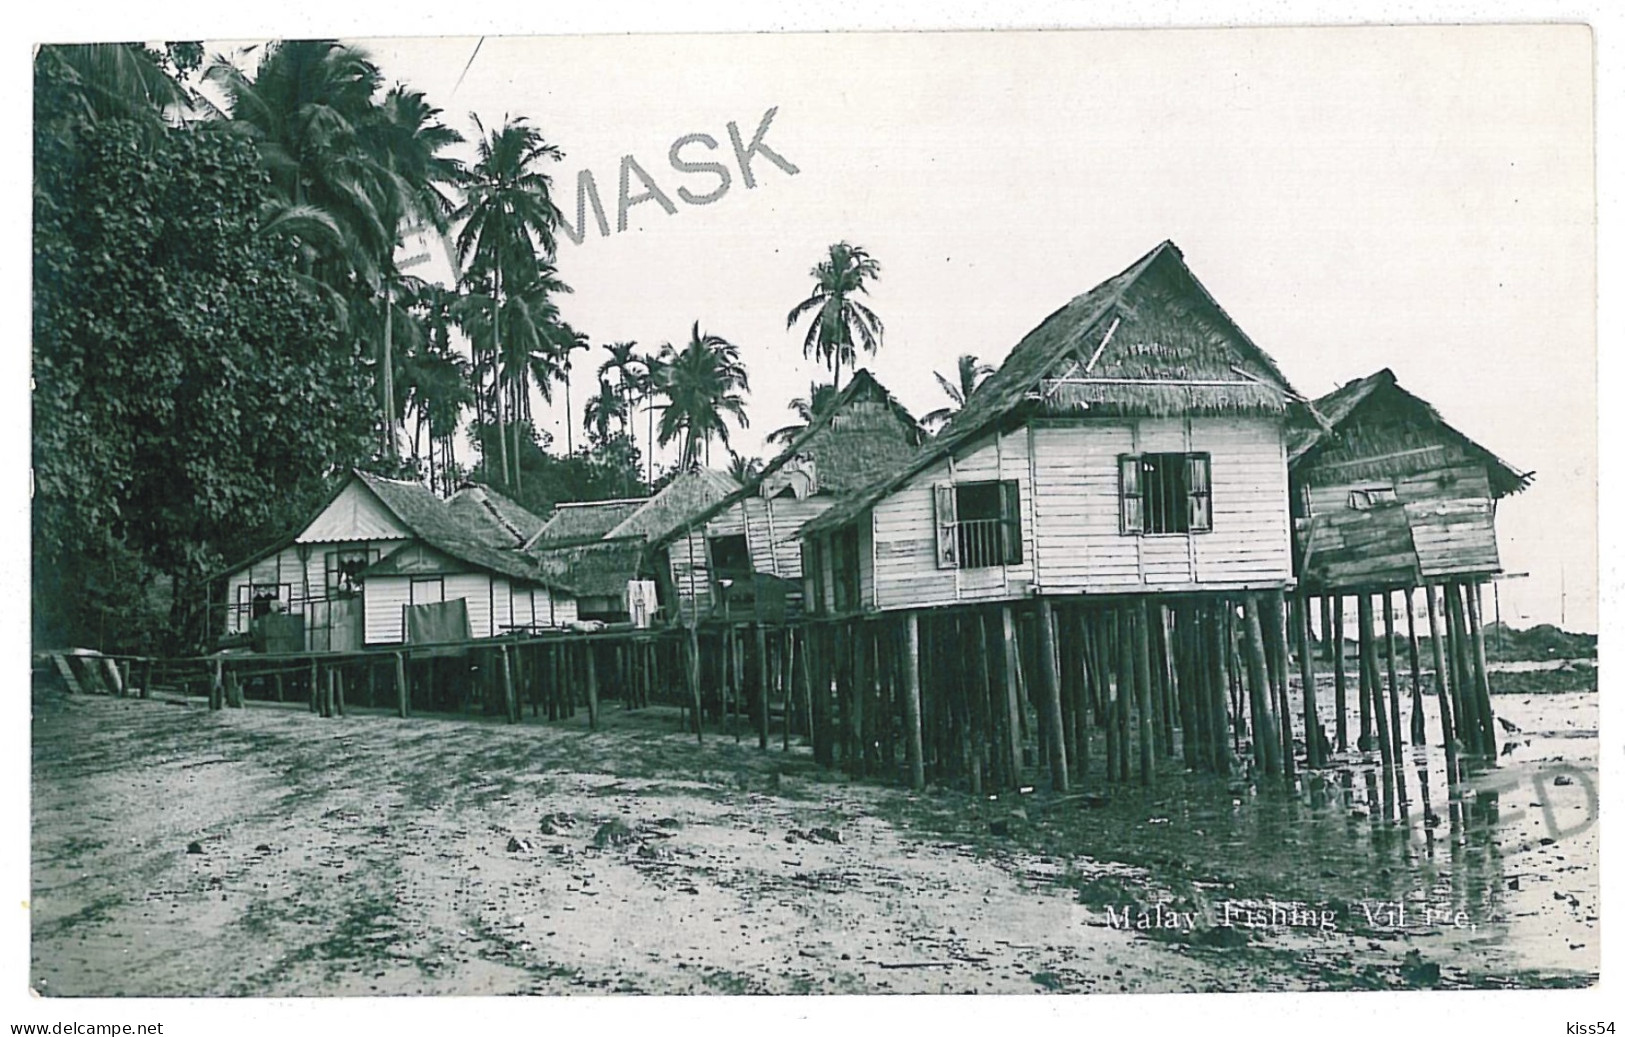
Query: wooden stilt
(590, 656)
(911, 704)
(808, 641)
(1266, 749)
(1277, 642)
(1368, 661)
(510, 701)
(694, 679)
(1367, 671)
(1390, 649)
(331, 692)
(1104, 644)
(1127, 691)
(1142, 618)
(338, 691)
(1306, 673)
(1442, 688)
(1414, 651)
(1012, 693)
(1339, 677)
(1220, 725)
(1469, 728)
(1481, 668)
(762, 679)
(403, 696)
(1050, 677)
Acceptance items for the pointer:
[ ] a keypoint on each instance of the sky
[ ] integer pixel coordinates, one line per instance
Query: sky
(1356, 198)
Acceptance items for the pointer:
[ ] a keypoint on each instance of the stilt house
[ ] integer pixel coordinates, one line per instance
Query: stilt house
(1134, 442)
(381, 547)
(1386, 494)
(740, 557)
(605, 551)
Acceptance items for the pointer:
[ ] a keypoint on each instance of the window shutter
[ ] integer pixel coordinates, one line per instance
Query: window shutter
(947, 527)
(1131, 503)
(1010, 514)
(1200, 495)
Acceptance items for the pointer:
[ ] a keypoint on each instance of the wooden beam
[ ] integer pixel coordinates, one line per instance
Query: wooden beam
(1050, 676)
(1012, 692)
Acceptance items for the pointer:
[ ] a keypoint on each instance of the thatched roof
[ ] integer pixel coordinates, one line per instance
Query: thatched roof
(601, 568)
(454, 533)
(1149, 341)
(583, 520)
(864, 432)
(1307, 437)
(510, 524)
(686, 495)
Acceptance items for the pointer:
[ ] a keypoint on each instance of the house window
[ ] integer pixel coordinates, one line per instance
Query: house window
(978, 524)
(426, 590)
(1372, 497)
(1165, 493)
(344, 569)
(263, 598)
(844, 569)
(730, 568)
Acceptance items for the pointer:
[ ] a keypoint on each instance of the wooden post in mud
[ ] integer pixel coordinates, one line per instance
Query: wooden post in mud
(1266, 750)
(694, 677)
(1367, 670)
(787, 683)
(1306, 673)
(1468, 727)
(1418, 714)
(762, 677)
(1218, 683)
(807, 639)
(911, 704)
(592, 683)
(330, 693)
(403, 697)
(1012, 692)
(338, 691)
(1283, 701)
(1339, 676)
(1390, 648)
(510, 701)
(1442, 687)
(217, 685)
(1050, 685)
(1109, 688)
(1481, 668)
(1141, 618)
(856, 698)
(1373, 681)
(315, 688)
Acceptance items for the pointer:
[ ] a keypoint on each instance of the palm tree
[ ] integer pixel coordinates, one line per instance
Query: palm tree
(600, 411)
(508, 222)
(970, 373)
(117, 80)
(648, 386)
(809, 408)
(702, 384)
(305, 108)
(627, 368)
(837, 279)
(567, 340)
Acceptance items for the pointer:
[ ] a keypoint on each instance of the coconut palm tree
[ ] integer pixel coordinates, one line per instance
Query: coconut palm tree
(809, 408)
(648, 388)
(305, 107)
(838, 315)
(118, 80)
(703, 384)
(744, 469)
(508, 222)
(601, 411)
(567, 340)
(969, 374)
(627, 370)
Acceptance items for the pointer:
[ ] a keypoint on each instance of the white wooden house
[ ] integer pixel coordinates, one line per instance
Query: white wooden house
(379, 545)
(741, 556)
(1134, 442)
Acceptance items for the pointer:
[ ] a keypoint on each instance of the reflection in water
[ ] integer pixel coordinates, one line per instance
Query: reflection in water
(1333, 838)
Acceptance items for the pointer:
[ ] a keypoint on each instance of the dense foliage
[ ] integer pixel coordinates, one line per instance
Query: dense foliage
(190, 397)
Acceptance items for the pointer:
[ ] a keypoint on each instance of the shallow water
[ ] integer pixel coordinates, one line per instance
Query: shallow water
(1494, 877)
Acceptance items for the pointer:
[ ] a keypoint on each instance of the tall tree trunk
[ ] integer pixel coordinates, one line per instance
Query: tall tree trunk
(569, 422)
(391, 444)
(496, 365)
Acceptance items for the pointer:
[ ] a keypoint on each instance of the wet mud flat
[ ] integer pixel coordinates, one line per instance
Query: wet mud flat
(263, 852)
